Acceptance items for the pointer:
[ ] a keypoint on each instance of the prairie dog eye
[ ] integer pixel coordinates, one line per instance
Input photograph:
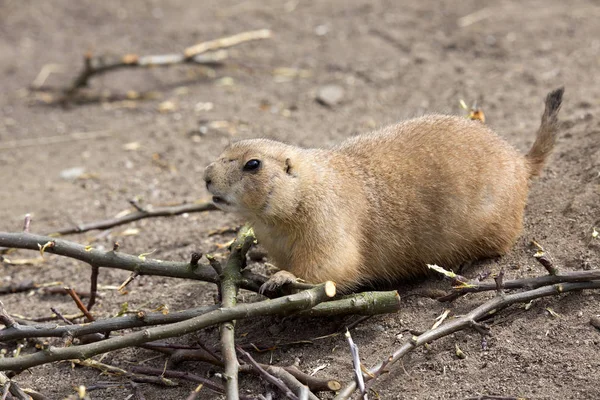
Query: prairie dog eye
(252, 165)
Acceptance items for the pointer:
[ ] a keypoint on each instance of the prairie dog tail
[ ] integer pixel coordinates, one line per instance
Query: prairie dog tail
(546, 134)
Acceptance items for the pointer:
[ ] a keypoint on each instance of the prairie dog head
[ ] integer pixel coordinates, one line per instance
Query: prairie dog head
(255, 178)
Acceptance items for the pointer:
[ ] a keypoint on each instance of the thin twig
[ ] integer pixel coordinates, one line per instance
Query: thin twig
(27, 223)
(148, 212)
(79, 304)
(268, 377)
(93, 287)
(360, 303)
(525, 283)
(98, 65)
(43, 141)
(357, 365)
(466, 321)
(5, 318)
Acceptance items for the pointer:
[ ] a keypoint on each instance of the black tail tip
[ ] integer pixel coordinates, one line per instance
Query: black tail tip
(554, 100)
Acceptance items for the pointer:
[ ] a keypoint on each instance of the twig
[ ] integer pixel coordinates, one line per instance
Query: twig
(268, 377)
(134, 377)
(127, 262)
(194, 393)
(314, 384)
(135, 388)
(486, 397)
(6, 390)
(214, 386)
(365, 303)
(43, 141)
(98, 65)
(110, 259)
(543, 259)
(5, 318)
(127, 281)
(148, 212)
(13, 388)
(302, 300)
(228, 41)
(79, 304)
(137, 320)
(483, 311)
(230, 276)
(93, 287)
(357, 366)
(499, 279)
(526, 283)
(360, 303)
(27, 223)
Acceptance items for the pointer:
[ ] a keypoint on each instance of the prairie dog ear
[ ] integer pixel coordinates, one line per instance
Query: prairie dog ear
(288, 166)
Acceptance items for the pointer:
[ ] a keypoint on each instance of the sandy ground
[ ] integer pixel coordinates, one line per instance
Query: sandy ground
(394, 60)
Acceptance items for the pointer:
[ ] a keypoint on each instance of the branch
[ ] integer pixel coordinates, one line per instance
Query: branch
(299, 301)
(138, 320)
(357, 365)
(148, 212)
(127, 262)
(466, 321)
(367, 303)
(231, 276)
(214, 386)
(109, 259)
(527, 283)
(99, 65)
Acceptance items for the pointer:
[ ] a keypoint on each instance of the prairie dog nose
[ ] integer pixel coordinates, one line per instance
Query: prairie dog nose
(208, 173)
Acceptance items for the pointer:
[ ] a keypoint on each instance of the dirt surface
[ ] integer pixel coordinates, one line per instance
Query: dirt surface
(394, 60)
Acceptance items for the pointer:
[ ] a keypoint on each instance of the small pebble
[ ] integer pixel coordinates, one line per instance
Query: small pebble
(330, 95)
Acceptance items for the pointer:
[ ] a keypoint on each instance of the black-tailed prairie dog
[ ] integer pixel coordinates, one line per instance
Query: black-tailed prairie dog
(381, 206)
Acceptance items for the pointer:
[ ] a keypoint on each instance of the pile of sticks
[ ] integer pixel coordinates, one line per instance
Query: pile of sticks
(91, 337)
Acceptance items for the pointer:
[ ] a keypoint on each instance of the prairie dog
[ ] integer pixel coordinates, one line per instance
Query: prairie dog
(381, 206)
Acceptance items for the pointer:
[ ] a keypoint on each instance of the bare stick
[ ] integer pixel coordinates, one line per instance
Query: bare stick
(357, 366)
(15, 144)
(227, 42)
(526, 283)
(98, 65)
(231, 276)
(109, 259)
(143, 266)
(148, 212)
(93, 287)
(314, 384)
(5, 318)
(136, 320)
(466, 321)
(206, 355)
(302, 300)
(361, 303)
(79, 304)
(13, 388)
(6, 390)
(214, 386)
(543, 259)
(268, 377)
(27, 223)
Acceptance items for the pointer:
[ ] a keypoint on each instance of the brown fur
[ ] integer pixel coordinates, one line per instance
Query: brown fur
(381, 206)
